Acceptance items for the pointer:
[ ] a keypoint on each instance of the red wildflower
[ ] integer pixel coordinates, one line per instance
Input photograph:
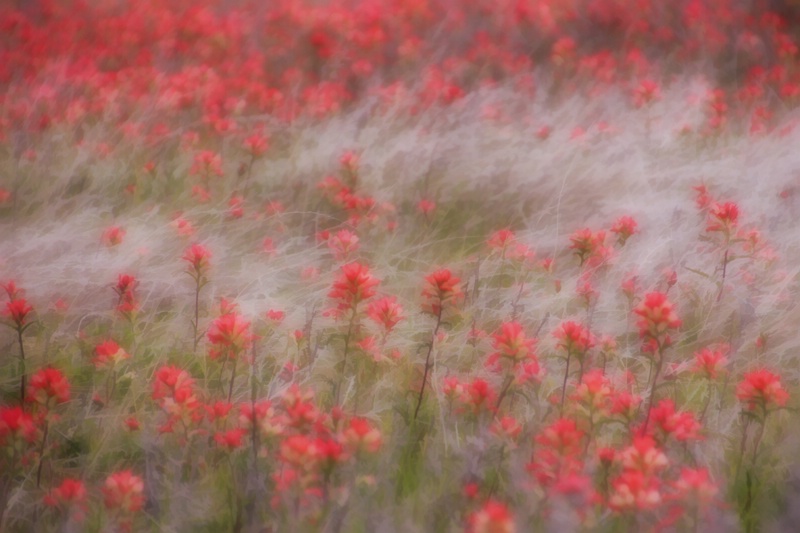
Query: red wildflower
(18, 310)
(442, 290)
(198, 258)
(46, 384)
(761, 389)
(123, 491)
(16, 424)
(493, 517)
(723, 217)
(108, 354)
(656, 318)
(361, 435)
(386, 312)
(113, 236)
(709, 362)
(511, 344)
(231, 439)
(574, 338)
(71, 491)
(353, 286)
(624, 228)
(501, 240)
(343, 244)
(230, 334)
(206, 163)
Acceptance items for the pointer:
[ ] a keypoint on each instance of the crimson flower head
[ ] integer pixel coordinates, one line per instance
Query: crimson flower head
(113, 236)
(493, 517)
(723, 217)
(230, 334)
(17, 424)
(108, 354)
(18, 311)
(511, 343)
(647, 91)
(574, 337)
(361, 435)
(256, 144)
(441, 290)
(46, 384)
(762, 390)
(70, 492)
(175, 384)
(624, 228)
(198, 258)
(12, 290)
(206, 163)
(501, 239)
(230, 439)
(354, 285)
(386, 312)
(657, 317)
(709, 363)
(123, 490)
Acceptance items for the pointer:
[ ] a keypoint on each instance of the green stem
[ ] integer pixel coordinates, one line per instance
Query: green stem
(344, 358)
(22, 369)
(428, 361)
(564, 385)
(41, 454)
(652, 398)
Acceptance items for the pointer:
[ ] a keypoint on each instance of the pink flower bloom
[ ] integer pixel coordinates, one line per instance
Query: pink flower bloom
(511, 343)
(723, 217)
(442, 290)
(761, 389)
(385, 312)
(113, 236)
(657, 317)
(123, 491)
(230, 335)
(46, 384)
(198, 257)
(18, 311)
(108, 354)
(624, 228)
(353, 286)
(493, 517)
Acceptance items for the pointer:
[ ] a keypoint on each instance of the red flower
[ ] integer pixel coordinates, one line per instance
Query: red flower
(198, 257)
(574, 338)
(511, 344)
(230, 334)
(656, 317)
(353, 286)
(723, 217)
(230, 439)
(624, 227)
(108, 354)
(18, 311)
(501, 240)
(709, 362)
(361, 435)
(206, 163)
(761, 389)
(442, 290)
(123, 490)
(113, 236)
(15, 424)
(46, 384)
(493, 517)
(71, 491)
(386, 312)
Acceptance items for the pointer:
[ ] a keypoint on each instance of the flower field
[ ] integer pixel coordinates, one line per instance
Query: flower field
(399, 266)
